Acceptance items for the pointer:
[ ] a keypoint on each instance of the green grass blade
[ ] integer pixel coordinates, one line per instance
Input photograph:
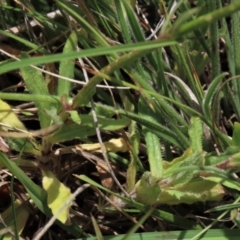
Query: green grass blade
(213, 234)
(156, 128)
(126, 31)
(146, 46)
(36, 193)
(214, 38)
(207, 19)
(152, 142)
(30, 97)
(74, 12)
(209, 96)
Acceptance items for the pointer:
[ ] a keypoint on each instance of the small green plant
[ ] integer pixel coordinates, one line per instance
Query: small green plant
(144, 104)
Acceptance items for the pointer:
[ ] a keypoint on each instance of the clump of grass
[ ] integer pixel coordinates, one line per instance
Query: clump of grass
(124, 119)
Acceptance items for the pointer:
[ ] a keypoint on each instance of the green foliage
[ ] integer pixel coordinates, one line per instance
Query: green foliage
(66, 68)
(167, 96)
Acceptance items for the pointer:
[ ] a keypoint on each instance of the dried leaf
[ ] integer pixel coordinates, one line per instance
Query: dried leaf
(3, 146)
(104, 175)
(113, 145)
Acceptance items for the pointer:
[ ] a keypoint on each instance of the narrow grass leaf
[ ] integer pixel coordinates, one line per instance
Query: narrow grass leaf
(224, 207)
(146, 46)
(154, 127)
(212, 234)
(160, 130)
(132, 2)
(30, 97)
(35, 192)
(236, 58)
(135, 25)
(209, 96)
(206, 19)
(226, 181)
(109, 124)
(93, 32)
(125, 28)
(97, 229)
(136, 226)
(134, 160)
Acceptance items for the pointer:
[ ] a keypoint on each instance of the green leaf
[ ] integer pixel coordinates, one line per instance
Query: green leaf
(147, 189)
(152, 141)
(183, 177)
(108, 124)
(154, 154)
(75, 116)
(198, 190)
(35, 192)
(210, 94)
(66, 68)
(195, 132)
(28, 145)
(134, 160)
(236, 135)
(36, 84)
(224, 180)
(89, 53)
(86, 128)
(207, 19)
(184, 18)
(57, 196)
(69, 132)
(160, 130)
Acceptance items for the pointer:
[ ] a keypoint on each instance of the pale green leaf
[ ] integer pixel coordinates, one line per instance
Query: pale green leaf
(57, 195)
